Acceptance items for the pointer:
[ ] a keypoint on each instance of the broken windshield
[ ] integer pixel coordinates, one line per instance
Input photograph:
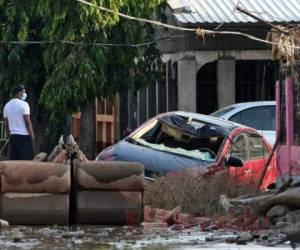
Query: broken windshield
(183, 136)
(195, 127)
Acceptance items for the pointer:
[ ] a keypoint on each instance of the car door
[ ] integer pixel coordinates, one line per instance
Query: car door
(239, 149)
(253, 151)
(258, 156)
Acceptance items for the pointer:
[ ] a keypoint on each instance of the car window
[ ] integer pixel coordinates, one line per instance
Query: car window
(237, 118)
(260, 118)
(271, 115)
(239, 147)
(222, 111)
(257, 147)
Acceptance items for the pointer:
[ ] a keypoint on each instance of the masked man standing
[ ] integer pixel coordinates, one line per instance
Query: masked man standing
(17, 116)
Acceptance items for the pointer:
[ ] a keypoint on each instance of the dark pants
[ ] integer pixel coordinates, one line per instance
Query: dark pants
(20, 147)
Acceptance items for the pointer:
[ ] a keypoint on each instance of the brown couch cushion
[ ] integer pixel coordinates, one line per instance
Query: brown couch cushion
(34, 177)
(35, 209)
(114, 175)
(109, 207)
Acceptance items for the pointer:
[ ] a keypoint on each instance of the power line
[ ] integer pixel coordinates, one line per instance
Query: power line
(137, 45)
(77, 43)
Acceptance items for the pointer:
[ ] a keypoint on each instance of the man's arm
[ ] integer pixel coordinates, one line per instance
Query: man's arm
(29, 125)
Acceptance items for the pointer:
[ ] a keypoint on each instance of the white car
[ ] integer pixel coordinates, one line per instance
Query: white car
(259, 115)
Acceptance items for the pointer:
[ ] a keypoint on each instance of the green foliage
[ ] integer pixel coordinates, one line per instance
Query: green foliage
(19, 63)
(65, 76)
(60, 78)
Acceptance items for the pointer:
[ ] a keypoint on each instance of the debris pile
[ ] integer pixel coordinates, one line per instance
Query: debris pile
(63, 152)
(269, 218)
(193, 192)
(286, 44)
(281, 209)
(241, 228)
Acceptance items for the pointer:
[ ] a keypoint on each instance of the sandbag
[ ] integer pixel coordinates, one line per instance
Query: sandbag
(290, 197)
(34, 177)
(109, 207)
(35, 209)
(104, 175)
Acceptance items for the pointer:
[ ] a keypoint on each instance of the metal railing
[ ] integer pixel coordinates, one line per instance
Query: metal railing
(3, 132)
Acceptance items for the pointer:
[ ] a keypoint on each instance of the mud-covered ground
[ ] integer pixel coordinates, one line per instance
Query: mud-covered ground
(150, 236)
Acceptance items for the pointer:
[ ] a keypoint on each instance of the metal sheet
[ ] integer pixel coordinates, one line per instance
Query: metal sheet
(219, 11)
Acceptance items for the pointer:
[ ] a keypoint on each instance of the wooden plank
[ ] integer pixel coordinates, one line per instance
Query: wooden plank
(76, 115)
(105, 118)
(116, 118)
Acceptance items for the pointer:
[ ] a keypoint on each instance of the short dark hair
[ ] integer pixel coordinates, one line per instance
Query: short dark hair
(17, 88)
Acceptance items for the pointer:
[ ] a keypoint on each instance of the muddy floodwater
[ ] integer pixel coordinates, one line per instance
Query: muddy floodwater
(104, 237)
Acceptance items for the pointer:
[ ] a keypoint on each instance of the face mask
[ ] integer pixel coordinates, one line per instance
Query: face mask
(24, 96)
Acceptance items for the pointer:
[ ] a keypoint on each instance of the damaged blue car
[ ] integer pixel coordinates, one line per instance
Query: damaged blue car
(178, 140)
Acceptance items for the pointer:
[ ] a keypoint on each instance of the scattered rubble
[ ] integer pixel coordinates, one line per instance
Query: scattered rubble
(281, 209)
(17, 236)
(76, 234)
(277, 211)
(62, 152)
(4, 223)
(269, 218)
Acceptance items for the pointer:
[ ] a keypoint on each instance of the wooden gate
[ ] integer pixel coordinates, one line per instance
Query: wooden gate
(106, 119)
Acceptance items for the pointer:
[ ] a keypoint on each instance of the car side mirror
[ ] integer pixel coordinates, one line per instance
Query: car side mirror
(234, 162)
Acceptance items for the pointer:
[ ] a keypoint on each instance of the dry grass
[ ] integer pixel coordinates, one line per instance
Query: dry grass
(195, 194)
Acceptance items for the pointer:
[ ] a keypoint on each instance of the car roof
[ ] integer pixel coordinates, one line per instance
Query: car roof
(228, 111)
(252, 104)
(206, 119)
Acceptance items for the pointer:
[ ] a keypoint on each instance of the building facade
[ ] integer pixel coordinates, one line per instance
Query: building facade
(203, 74)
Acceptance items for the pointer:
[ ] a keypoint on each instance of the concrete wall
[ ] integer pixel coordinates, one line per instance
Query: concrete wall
(226, 82)
(187, 71)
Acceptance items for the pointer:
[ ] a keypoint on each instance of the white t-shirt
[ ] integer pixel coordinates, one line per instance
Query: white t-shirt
(14, 111)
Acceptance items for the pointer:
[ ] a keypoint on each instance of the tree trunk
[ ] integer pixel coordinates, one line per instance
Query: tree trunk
(87, 133)
(40, 123)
